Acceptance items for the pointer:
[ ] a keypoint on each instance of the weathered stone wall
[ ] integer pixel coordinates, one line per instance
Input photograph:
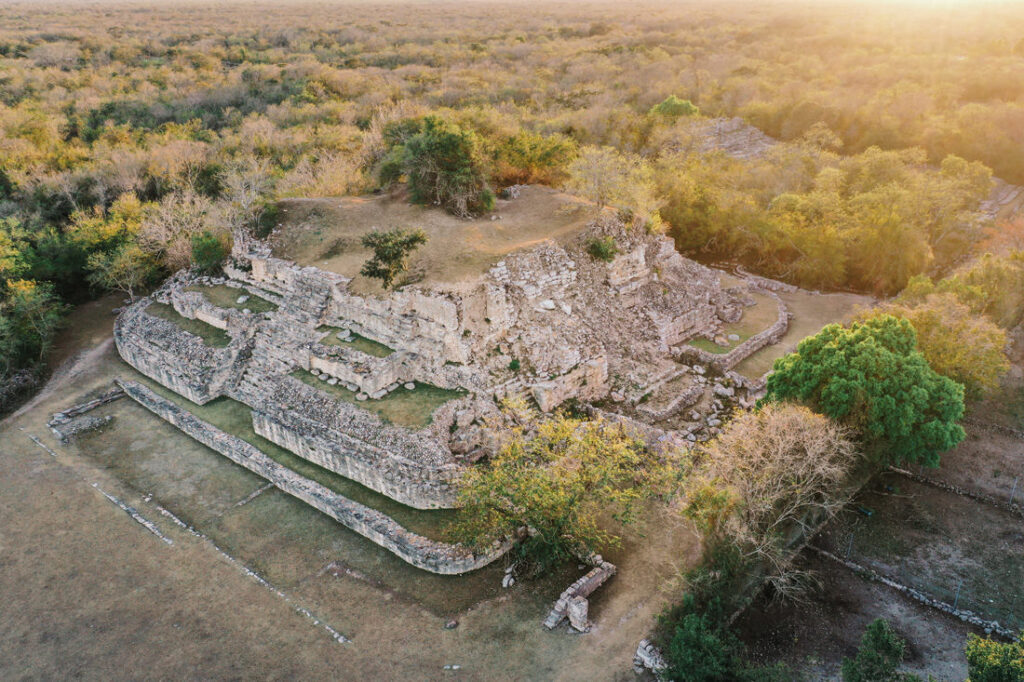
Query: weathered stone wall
(726, 361)
(175, 358)
(412, 467)
(436, 557)
(589, 381)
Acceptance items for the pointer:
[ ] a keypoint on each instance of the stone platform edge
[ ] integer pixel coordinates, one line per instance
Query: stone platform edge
(421, 552)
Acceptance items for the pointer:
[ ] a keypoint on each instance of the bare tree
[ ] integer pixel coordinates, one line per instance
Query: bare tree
(770, 475)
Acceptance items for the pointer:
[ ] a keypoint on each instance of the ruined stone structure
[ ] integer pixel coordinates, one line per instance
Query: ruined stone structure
(319, 365)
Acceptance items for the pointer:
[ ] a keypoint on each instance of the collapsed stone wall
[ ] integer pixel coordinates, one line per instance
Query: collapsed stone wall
(436, 557)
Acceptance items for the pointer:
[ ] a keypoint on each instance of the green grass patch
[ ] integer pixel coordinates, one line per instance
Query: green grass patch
(356, 342)
(211, 336)
(711, 347)
(402, 407)
(224, 296)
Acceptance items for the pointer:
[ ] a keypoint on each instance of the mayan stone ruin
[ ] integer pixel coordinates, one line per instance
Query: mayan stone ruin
(402, 391)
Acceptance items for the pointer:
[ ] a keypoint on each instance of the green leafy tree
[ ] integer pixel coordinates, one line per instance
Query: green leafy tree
(879, 656)
(566, 484)
(872, 377)
(208, 252)
(443, 165)
(992, 661)
(700, 652)
(14, 262)
(673, 107)
(32, 313)
(391, 251)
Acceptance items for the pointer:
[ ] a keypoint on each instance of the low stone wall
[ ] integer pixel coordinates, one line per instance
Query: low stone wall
(966, 616)
(726, 361)
(68, 424)
(573, 604)
(764, 283)
(436, 557)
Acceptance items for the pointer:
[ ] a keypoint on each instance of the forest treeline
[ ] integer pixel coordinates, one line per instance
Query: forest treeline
(134, 138)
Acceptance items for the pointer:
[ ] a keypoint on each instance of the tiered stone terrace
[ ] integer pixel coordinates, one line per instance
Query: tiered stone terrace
(547, 322)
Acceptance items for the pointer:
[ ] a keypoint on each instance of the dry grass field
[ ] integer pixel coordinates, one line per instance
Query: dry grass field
(326, 233)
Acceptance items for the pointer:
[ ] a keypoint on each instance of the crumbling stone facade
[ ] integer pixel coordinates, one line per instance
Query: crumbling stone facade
(549, 323)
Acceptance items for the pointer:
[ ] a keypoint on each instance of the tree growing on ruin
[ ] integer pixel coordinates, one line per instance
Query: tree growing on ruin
(769, 473)
(391, 250)
(871, 377)
(443, 165)
(560, 489)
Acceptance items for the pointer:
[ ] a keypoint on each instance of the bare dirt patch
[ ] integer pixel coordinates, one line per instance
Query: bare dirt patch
(327, 232)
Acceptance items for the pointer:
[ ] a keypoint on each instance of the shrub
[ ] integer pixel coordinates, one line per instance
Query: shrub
(391, 251)
(880, 654)
(698, 652)
(673, 107)
(992, 661)
(603, 248)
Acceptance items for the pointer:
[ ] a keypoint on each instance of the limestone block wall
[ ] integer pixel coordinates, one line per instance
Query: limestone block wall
(542, 270)
(421, 322)
(413, 467)
(588, 381)
(755, 343)
(674, 329)
(629, 271)
(370, 374)
(436, 557)
(173, 357)
(401, 480)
